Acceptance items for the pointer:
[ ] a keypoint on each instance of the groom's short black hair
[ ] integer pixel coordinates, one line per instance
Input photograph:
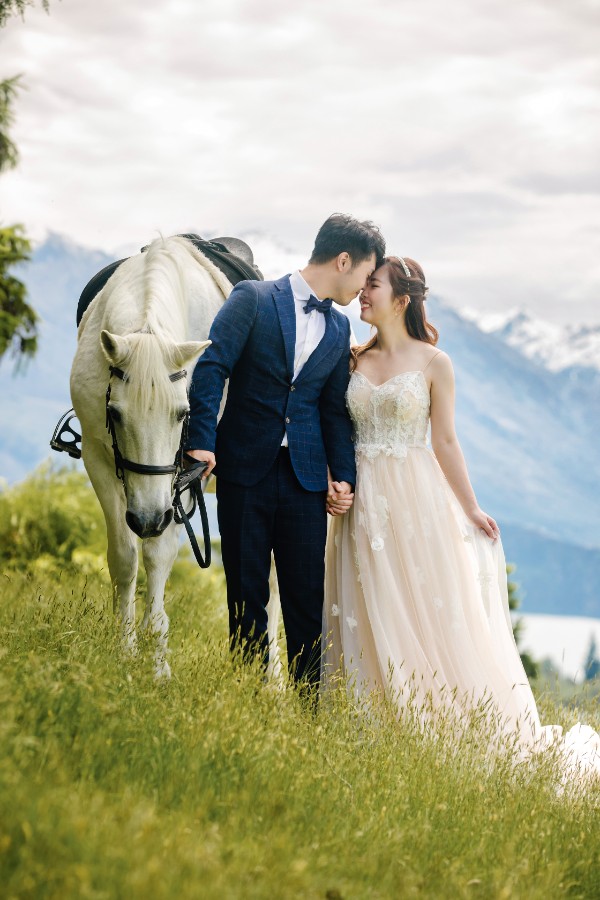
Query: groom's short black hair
(344, 234)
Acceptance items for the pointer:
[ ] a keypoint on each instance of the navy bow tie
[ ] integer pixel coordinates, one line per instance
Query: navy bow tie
(322, 306)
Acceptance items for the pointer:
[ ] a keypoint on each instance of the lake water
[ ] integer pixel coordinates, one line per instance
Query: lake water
(564, 639)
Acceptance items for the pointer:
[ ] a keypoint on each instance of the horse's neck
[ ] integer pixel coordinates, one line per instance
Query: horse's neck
(178, 300)
(205, 301)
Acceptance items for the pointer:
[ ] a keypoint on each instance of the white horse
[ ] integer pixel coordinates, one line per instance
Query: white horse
(150, 321)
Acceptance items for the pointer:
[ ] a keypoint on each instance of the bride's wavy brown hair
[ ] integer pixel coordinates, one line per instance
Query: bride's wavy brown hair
(415, 318)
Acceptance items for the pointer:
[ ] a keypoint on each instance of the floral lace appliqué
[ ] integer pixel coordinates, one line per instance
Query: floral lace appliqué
(388, 418)
(356, 556)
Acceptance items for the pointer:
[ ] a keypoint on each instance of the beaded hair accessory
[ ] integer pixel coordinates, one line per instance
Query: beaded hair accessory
(405, 267)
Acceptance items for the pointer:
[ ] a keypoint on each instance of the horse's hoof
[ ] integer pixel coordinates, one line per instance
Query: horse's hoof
(162, 670)
(130, 648)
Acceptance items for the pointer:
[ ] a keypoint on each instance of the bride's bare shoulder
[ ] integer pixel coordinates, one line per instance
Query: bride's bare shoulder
(438, 362)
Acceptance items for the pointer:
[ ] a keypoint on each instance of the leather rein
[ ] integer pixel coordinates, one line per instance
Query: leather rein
(186, 478)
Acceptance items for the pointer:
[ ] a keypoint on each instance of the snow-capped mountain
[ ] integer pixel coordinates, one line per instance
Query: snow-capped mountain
(530, 429)
(558, 347)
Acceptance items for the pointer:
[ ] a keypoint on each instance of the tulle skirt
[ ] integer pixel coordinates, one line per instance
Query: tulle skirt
(416, 604)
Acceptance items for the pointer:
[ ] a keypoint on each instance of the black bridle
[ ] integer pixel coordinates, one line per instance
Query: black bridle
(121, 463)
(186, 478)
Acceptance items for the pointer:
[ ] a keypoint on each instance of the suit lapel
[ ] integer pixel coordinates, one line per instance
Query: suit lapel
(286, 311)
(325, 346)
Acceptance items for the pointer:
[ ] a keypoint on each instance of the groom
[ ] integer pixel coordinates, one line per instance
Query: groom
(285, 350)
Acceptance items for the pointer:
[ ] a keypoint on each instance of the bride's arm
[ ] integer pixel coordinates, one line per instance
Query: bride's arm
(447, 448)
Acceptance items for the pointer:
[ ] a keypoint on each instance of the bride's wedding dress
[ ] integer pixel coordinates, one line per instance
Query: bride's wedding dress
(416, 600)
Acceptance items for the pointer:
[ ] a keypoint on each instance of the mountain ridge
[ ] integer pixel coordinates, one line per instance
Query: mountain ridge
(559, 347)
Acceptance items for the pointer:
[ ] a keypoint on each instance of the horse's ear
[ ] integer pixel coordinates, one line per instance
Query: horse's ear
(115, 347)
(188, 351)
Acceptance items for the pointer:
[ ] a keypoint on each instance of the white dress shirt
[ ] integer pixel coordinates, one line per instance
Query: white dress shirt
(310, 327)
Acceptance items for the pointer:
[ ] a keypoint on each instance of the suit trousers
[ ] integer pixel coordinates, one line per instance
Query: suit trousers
(278, 515)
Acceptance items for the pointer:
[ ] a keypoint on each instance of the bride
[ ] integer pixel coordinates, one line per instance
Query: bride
(416, 603)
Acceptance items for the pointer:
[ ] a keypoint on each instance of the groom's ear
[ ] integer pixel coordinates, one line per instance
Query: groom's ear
(343, 262)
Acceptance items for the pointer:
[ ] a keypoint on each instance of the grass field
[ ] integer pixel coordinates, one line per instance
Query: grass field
(215, 785)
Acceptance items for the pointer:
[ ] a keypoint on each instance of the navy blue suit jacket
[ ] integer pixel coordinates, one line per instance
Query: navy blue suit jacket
(253, 341)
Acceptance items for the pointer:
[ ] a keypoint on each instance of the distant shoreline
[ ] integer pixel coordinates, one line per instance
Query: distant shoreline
(563, 639)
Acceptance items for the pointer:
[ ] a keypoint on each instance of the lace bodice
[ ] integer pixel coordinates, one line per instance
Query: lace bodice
(390, 417)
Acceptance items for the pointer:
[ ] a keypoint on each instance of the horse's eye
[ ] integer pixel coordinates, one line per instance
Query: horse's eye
(181, 414)
(115, 414)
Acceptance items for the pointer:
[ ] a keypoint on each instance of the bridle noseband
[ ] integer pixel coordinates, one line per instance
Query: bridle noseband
(186, 479)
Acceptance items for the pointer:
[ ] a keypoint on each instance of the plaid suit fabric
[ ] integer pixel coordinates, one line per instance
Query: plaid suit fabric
(275, 514)
(253, 338)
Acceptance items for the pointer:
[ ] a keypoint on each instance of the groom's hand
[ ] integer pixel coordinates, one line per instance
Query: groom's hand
(339, 498)
(204, 456)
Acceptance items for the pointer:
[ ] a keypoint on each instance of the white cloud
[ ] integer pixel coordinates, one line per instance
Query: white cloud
(469, 132)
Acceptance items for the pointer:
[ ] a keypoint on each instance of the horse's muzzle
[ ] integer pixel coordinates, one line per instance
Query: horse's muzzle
(149, 526)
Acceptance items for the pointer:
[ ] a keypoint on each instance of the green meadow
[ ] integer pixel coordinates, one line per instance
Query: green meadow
(216, 784)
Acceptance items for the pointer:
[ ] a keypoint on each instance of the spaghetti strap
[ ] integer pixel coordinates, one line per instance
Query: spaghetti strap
(432, 359)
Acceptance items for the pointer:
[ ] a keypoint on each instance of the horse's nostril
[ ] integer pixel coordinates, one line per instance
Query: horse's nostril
(136, 525)
(149, 526)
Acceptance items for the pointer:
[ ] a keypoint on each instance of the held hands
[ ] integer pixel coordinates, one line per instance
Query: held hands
(339, 498)
(484, 522)
(204, 456)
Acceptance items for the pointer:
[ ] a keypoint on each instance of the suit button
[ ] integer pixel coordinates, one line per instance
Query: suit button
(292, 388)
(287, 420)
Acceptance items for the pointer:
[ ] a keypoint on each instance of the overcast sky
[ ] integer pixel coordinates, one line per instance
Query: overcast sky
(469, 131)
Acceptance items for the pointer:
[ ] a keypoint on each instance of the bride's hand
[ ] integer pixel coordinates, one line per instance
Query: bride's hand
(481, 520)
(339, 498)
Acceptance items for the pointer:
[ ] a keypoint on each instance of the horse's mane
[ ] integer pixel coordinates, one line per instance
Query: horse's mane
(158, 277)
(164, 275)
(148, 366)
(152, 346)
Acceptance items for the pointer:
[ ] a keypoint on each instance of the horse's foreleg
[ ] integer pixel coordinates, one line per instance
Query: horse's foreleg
(159, 555)
(122, 556)
(122, 544)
